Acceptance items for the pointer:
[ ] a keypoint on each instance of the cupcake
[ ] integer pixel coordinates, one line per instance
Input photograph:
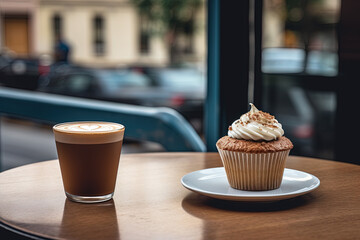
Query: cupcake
(254, 152)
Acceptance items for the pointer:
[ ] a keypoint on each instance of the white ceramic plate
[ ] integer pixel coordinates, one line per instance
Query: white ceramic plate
(212, 182)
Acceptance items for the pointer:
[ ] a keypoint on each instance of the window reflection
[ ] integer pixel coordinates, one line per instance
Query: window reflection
(299, 69)
(302, 32)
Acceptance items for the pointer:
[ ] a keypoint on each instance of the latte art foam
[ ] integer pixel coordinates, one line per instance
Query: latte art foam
(89, 127)
(88, 132)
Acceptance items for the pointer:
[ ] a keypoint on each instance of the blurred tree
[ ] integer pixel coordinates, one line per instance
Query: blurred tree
(170, 18)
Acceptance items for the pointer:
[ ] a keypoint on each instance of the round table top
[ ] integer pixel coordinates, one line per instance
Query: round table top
(151, 203)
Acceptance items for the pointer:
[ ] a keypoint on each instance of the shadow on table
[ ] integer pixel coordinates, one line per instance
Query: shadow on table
(95, 221)
(196, 205)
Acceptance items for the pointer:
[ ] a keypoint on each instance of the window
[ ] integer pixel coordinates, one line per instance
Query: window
(189, 29)
(289, 63)
(299, 69)
(144, 36)
(300, 37)
(99, 42)
(57, 27)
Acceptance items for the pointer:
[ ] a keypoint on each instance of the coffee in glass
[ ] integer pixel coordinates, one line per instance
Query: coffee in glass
(89, 154)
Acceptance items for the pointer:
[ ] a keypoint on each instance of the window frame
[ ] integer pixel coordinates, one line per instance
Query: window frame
(226, 98)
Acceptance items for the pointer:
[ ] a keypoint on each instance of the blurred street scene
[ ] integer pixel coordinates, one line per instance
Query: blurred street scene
(153, 53)
(299, 69)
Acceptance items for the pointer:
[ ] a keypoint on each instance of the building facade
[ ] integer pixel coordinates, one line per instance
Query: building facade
(104, 33)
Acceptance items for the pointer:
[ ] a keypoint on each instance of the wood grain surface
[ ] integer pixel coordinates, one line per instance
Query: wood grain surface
(151, 203)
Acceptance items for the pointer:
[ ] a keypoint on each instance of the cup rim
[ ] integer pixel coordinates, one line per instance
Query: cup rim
(56, 129)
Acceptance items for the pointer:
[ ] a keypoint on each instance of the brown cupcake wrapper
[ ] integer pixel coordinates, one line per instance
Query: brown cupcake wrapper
(254, 171)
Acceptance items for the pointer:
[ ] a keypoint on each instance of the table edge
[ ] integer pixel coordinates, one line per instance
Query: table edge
(21, 232)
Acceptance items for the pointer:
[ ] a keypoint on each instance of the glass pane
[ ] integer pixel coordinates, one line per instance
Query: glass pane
(299, 63)
(300, 36)
(150, 53)
(152, 38)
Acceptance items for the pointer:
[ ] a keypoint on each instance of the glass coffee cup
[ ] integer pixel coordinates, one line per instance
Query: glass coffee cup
(89, 155)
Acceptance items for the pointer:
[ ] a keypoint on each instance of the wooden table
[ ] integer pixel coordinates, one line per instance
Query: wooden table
(151, 203)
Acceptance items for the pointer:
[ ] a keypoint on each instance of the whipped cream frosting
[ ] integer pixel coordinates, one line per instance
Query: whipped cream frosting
(256, 125)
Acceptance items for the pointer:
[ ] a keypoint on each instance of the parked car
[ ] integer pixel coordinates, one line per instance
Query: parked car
(180, 89)
(22, 73)
(296, 60)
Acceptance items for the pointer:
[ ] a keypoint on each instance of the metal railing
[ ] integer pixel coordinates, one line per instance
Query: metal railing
(161, 125)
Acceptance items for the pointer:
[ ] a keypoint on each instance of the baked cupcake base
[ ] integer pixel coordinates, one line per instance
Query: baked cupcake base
(251, 165)
(254, 171)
